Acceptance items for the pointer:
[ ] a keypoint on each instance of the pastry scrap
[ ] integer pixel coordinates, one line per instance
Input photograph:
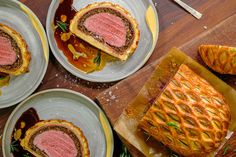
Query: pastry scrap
(51, 138)
(222, 59)
(190, 116)
(108, 27)
(14, 55)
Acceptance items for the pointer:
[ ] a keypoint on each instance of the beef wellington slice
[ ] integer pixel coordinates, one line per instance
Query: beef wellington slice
(108, 27)
(51, 138)
(14, 55)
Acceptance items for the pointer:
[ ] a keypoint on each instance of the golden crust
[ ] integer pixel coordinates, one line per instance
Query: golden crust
(26, 57)
(190, 116)
(99, 45)
(84, 144)
(221, 59)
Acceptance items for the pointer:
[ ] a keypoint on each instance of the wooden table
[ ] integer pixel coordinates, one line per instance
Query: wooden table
(177, 27)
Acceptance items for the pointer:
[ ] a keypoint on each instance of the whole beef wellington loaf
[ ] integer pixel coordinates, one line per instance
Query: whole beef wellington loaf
(221, 59)
(108, 27)
(190, 116)
(14, 55)
(53, 138)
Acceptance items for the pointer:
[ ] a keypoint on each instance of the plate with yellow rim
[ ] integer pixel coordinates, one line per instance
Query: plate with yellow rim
(63, 104)
(20, 18)
(146, 16)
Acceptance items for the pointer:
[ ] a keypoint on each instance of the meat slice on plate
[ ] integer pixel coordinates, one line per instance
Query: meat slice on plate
(14, 55)
(53, 138)
(108, 27)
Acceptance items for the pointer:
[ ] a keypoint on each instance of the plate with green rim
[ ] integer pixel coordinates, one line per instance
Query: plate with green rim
(19, 17)
(71, 106)
(118, 70)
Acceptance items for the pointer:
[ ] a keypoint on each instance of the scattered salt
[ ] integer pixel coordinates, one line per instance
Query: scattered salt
(56, 75)
(229, 134)
(113, 97)
(58, 85)
(110, 93)
(155, 4)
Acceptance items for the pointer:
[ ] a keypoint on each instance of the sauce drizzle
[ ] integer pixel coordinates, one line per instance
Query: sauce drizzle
(28, 119)
(78, 52)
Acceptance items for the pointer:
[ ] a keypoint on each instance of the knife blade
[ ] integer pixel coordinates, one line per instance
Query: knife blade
(192, 11)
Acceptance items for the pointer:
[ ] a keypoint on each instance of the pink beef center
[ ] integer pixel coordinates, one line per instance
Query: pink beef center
(56, 144)
(109, 27)
(7, 54)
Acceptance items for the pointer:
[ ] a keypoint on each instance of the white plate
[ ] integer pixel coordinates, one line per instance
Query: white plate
(118, 70)
(23, 20)
(70, 106)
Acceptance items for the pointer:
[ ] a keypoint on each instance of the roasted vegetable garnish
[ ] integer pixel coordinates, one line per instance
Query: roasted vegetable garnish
(62, 25)
(14, 146)
(97, 59)
(76, 54)
(124, 152)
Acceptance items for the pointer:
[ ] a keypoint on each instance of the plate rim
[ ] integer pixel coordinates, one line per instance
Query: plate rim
(46, 51)
(83, 75)
(59, 90)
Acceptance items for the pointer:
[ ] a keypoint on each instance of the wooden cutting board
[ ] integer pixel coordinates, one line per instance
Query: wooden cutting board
(115, 99)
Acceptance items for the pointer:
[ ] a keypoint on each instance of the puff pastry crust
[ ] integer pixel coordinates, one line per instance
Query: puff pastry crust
(190, 116)
(221, 59)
